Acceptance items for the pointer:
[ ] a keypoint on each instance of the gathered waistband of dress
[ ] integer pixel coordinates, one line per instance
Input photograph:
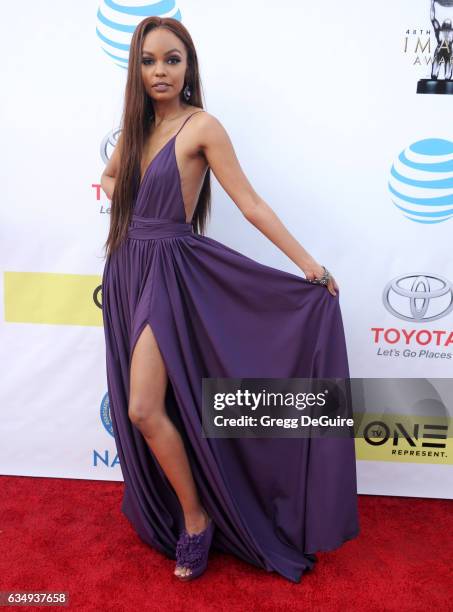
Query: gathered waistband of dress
(152, 228)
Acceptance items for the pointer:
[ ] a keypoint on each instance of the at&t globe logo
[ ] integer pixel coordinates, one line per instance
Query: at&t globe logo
(421, 181)
(116, 22)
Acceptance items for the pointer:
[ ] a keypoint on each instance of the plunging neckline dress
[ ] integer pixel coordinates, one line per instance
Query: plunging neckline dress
(217, 313)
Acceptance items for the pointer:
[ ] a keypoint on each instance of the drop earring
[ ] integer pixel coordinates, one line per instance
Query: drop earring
(187, 92)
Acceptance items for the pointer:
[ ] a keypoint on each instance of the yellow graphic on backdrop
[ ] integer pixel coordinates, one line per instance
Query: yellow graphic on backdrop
(52, 298)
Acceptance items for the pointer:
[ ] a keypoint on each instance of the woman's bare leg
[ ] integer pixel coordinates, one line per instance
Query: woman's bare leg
(148, 383)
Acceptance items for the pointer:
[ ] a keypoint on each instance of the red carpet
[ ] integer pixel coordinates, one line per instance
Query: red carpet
(69, 535)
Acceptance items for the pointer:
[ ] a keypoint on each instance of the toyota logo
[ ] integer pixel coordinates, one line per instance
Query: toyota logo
(418, 297)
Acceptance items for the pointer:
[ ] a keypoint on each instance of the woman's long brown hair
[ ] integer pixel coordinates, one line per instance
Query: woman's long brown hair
(138, 114)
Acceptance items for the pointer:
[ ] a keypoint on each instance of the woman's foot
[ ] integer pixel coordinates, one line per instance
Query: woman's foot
(194, 525)
(197, 523)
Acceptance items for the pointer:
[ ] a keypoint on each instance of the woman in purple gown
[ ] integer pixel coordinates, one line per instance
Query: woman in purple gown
(179, 306)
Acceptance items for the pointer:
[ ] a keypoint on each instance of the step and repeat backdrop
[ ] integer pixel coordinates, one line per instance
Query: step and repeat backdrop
(340, 115)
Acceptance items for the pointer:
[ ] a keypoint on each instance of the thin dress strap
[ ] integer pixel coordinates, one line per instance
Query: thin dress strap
(186, 120)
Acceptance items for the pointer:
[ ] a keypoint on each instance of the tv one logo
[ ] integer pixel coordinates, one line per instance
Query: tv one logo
(421, 435)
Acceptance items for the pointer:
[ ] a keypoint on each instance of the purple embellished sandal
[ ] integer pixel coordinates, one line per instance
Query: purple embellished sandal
(192, 551)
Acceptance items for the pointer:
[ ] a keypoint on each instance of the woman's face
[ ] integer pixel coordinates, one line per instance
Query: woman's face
(164, 59)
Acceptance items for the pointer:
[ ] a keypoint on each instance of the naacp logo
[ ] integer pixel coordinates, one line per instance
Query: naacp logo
(418, 297)
(106, 418)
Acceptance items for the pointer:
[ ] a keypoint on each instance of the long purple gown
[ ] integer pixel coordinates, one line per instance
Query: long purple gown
(218, 313)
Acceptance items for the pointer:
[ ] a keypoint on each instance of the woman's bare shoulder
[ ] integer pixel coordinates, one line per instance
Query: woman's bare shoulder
(206, 122)
(205, 115)
(210, 130)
